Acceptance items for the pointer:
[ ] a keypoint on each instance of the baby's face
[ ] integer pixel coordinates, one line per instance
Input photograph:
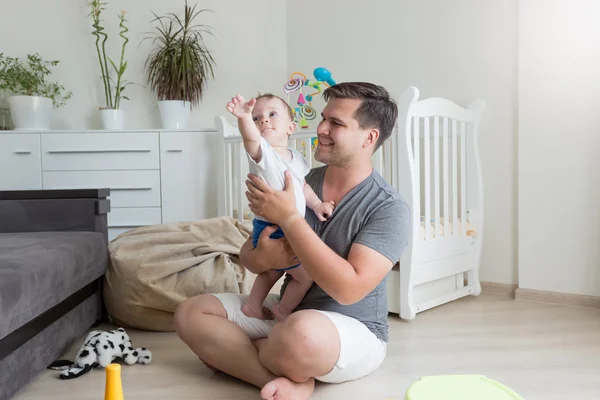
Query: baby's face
(272, 120)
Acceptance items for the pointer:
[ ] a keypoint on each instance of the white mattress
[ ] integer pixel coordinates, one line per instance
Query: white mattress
(470, 230)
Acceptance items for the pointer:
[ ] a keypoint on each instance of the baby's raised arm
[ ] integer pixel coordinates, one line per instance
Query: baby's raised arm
(243, 111)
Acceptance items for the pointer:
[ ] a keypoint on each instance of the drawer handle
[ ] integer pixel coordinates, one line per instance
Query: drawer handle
(99, 151)
(174, 151)
(131, 188)
(22, 151)
(125, 226)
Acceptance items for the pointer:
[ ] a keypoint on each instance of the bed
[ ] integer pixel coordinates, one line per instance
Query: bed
(432, 159)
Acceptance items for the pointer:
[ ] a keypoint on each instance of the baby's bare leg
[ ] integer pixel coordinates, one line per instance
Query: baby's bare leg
(294, 293)
(262, 285)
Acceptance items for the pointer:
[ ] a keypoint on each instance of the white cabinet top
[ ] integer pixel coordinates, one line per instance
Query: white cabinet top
(83, 131)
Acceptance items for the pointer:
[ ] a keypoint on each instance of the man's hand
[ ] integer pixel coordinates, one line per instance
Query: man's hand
(323, 210)
(278, 207)
(240, 107)
(269, 253)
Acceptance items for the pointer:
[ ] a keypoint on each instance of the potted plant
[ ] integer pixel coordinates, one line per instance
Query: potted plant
(113, 117)
(32, 95)
(179, 66)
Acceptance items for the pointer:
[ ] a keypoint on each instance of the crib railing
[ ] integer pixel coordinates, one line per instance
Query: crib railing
(438, 146)
(443, 196)
(426, 160)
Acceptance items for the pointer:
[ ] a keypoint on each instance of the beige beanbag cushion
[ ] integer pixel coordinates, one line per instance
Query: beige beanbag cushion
(153, 268)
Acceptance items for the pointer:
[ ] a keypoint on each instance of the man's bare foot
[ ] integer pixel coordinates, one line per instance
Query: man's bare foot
(254, 312)
(279, 313)
(284, 389)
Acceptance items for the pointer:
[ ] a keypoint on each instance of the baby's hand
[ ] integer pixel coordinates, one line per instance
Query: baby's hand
(323, 210)
(240, 107)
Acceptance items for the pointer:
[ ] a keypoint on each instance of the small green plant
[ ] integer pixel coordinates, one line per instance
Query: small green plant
(112, 102)
(28, 78)
(179, 66)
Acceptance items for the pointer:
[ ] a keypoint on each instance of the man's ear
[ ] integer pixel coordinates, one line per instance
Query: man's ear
(372, 137)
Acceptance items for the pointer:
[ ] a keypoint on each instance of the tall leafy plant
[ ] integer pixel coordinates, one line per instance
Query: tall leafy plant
(29, 78)
(180, 64)
(113, 91)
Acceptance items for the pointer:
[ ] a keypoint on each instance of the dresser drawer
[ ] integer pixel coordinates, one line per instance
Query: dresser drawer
(20, 161)
(129, 218)
(127, 188)
(99, 151)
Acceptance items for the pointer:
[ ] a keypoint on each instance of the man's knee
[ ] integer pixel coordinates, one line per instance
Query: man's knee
(307, 344)
(192, 310)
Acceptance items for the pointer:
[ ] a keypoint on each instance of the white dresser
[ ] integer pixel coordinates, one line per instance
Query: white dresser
(154, 176)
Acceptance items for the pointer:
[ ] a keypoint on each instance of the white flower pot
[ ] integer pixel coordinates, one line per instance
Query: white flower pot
(174, 114)
(113, 119)
(30, 112)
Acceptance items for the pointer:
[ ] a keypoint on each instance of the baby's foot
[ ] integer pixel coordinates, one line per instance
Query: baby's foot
(280, 313)
(254, 312)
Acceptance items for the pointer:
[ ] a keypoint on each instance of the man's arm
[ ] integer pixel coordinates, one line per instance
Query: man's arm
(346, 281)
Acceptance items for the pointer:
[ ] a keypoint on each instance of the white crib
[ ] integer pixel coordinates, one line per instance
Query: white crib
(433, 161)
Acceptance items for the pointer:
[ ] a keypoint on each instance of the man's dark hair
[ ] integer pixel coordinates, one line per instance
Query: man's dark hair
(273, 96)
(377, 110)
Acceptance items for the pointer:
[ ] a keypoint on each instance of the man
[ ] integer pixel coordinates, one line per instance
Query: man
(339, 330)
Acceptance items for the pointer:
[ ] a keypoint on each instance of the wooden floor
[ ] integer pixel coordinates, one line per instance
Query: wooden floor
(540, 351)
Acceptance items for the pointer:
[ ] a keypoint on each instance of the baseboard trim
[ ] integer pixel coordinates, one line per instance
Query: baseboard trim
(507, 289)
(563, 299)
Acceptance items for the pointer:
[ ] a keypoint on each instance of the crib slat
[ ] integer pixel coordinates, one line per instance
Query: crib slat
(391, 160)
(454, 179)
(377, 161)
(417, 157)
(463, 177)
(427, 168)
(445, 177)
(229, 181)
(241, 182)
(387, 173)
(382, 171)
(308, 155)
(436, 173)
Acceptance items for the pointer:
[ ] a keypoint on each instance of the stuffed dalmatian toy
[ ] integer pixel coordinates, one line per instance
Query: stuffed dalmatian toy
(100, 348)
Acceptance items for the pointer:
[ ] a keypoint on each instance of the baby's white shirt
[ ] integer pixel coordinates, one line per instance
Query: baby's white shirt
(272, 166)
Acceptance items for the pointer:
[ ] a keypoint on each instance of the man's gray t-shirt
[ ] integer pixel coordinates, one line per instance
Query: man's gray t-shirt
(374, 215)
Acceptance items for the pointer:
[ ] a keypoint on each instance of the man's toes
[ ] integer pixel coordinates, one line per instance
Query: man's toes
(268, 391)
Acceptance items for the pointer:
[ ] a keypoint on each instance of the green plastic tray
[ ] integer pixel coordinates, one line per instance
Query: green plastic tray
(459, 387)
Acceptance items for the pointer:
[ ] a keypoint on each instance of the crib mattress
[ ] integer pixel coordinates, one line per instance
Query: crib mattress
(446, 228)
(449, 227)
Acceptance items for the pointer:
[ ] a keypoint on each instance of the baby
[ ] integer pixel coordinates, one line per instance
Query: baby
(266, 123)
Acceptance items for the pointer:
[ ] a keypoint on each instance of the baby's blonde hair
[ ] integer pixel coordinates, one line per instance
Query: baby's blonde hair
(273, 96)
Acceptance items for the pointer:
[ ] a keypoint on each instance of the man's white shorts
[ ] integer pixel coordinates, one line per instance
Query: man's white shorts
(361, 351)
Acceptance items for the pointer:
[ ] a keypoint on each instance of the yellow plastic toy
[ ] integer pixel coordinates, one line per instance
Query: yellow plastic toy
(113, 389)
(459, 387)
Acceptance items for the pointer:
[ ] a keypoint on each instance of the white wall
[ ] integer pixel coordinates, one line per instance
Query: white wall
(460, 49)
(559, 139)
(250, 52)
